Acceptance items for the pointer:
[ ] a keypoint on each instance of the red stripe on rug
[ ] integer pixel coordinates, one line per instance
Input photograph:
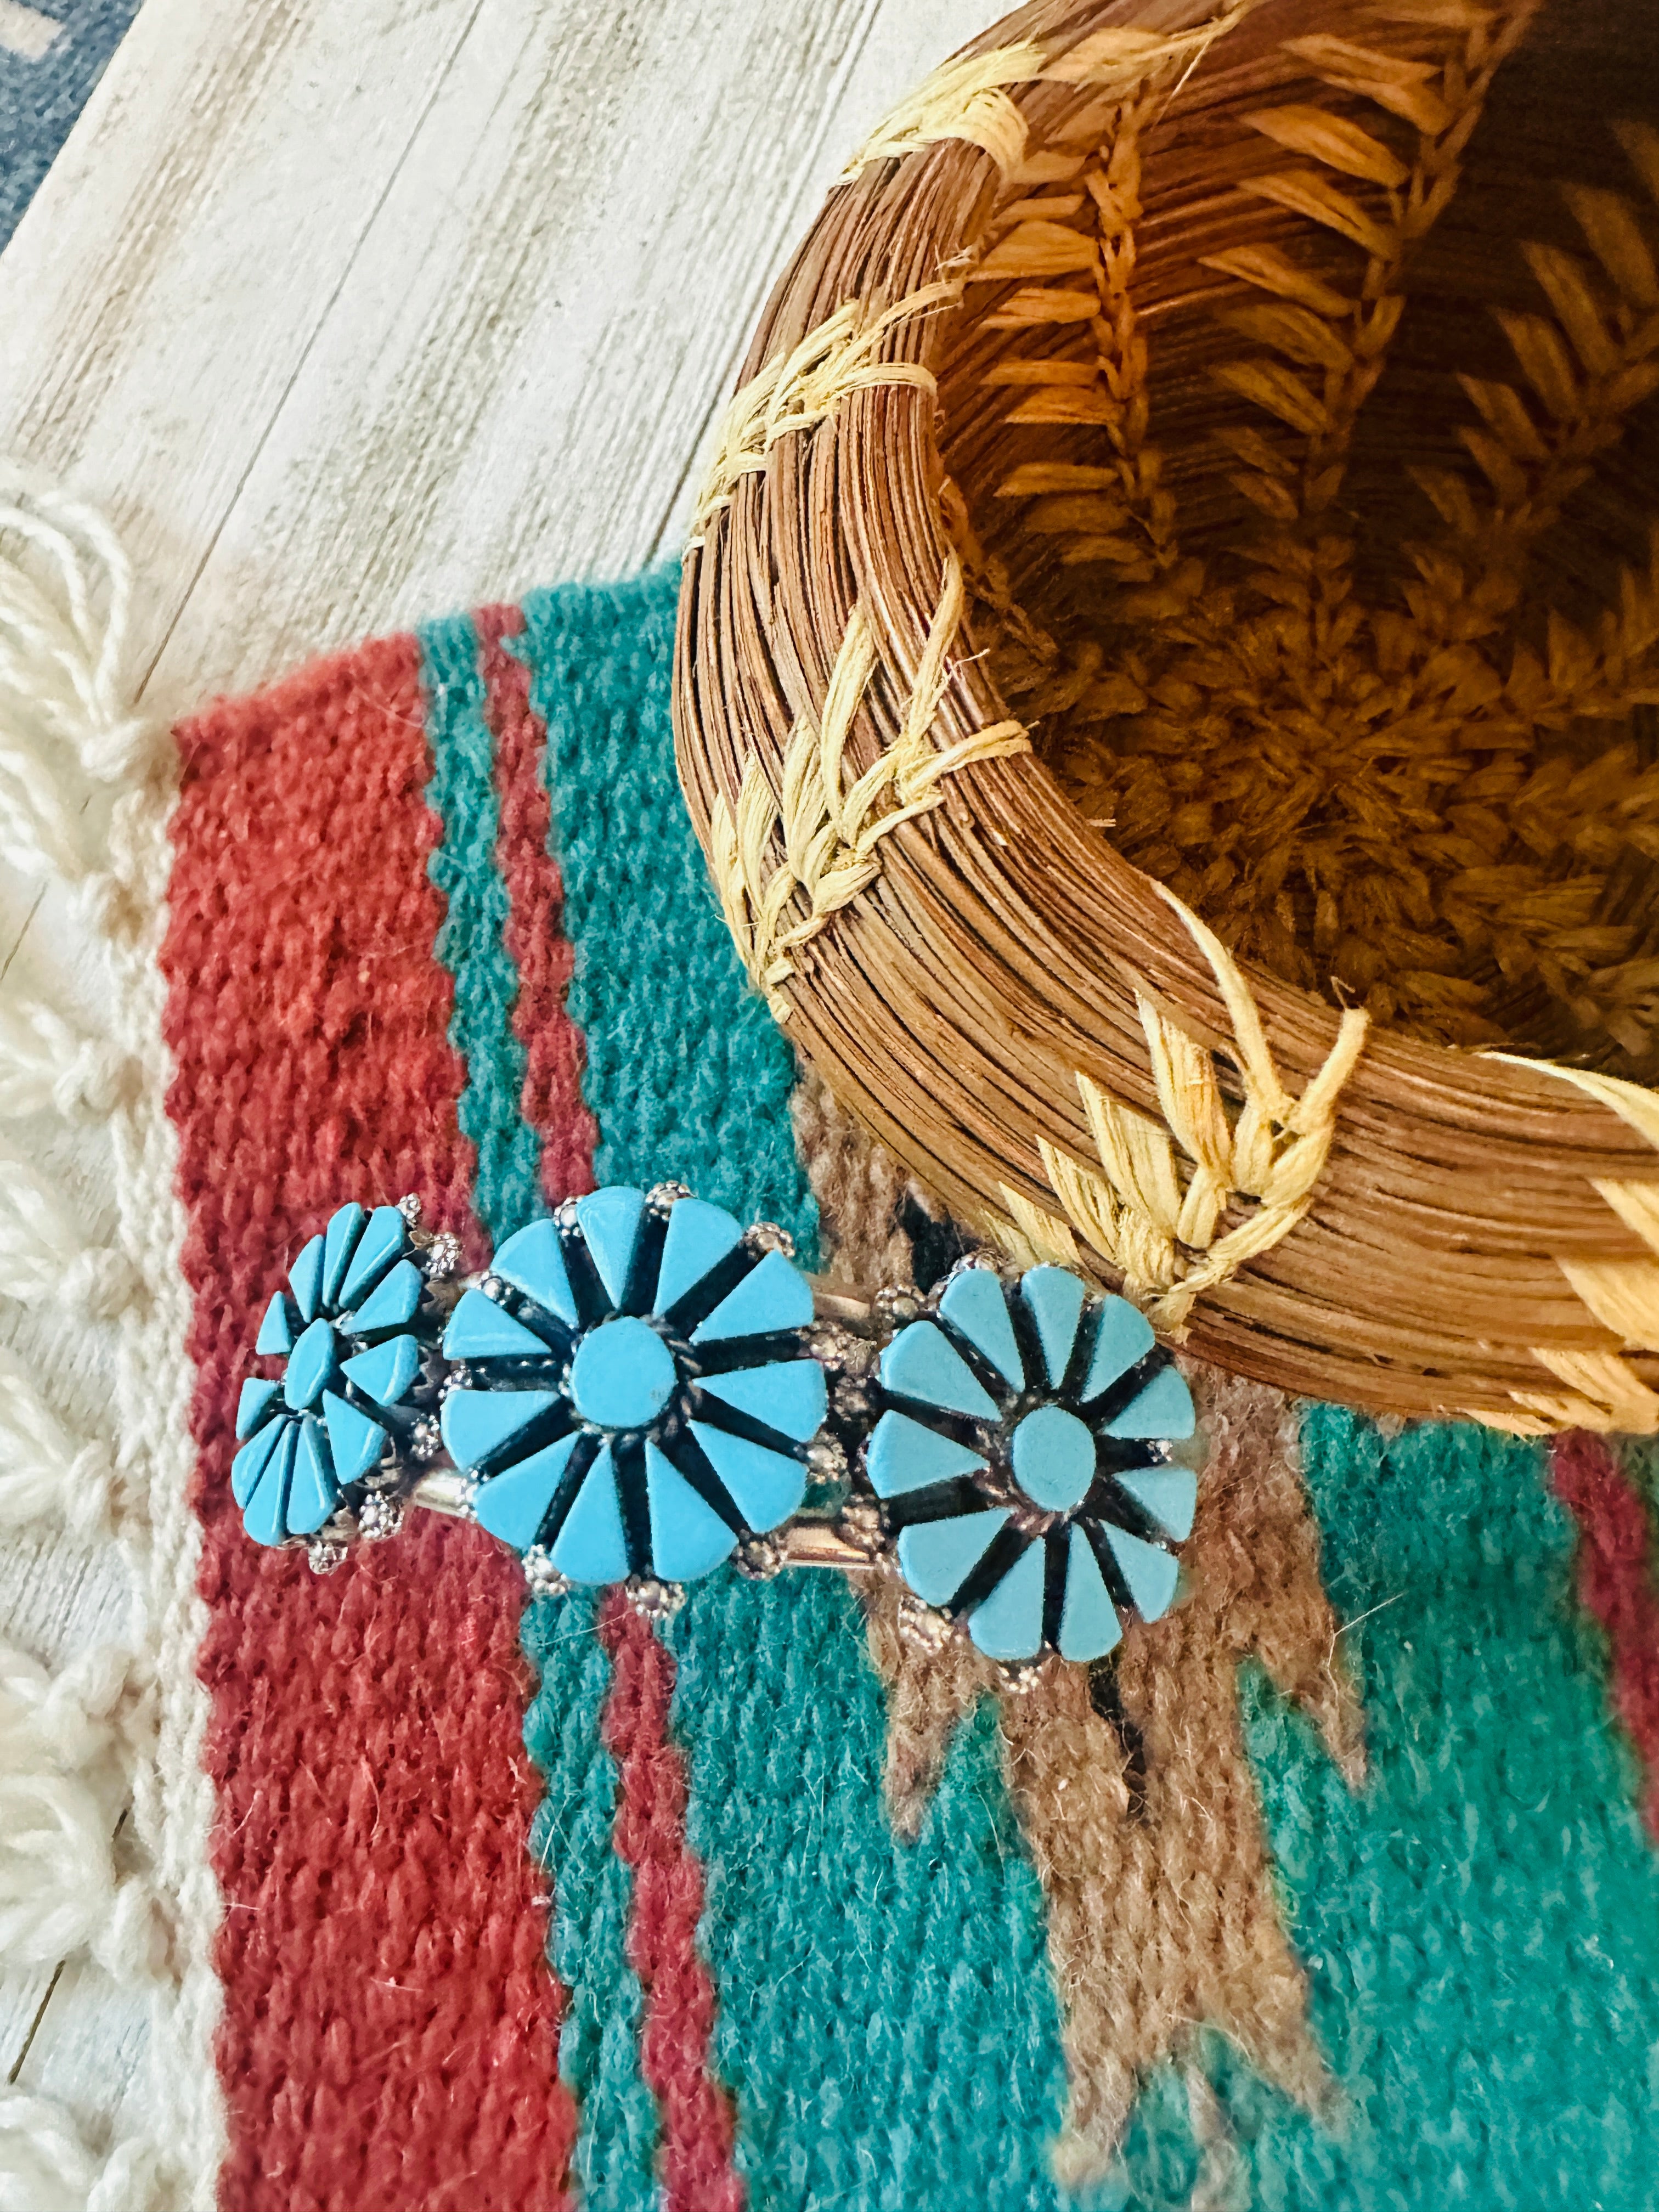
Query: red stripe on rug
(668, 1896)
(553, 1104)
(390, 2030)
(1616, 1582)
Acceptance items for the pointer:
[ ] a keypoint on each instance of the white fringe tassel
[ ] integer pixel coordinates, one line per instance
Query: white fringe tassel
(78, 1874)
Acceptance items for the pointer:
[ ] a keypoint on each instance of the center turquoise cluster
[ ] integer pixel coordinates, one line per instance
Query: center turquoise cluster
(1023, 1463)
(634, 1397)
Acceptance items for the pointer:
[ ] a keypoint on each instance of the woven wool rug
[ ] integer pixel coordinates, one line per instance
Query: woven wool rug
(1347, 1895)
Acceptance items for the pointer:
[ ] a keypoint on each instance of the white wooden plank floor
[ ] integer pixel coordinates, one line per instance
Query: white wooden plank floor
(350, 312)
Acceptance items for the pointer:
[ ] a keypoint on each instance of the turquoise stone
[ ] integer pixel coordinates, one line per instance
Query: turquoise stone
(477, 1425)
(310, 1365)
(765, 1486)
(266, 1517)
(253, 1405)
(339, 1243)
(590, 1547)
(513, 1505)
(305, 1279)
(937, 1557)
(387, 1371)
(393, 1305)
(385, 1238)
(1088, 1625)
(790, 1396)
(1170, 1494)
(532, 1261)
(355, 1442)
(1008, 1624)
(480, 1329)
(1150, 1574)
(610, 1221)
(1054, 1299)
(623, 1374)
(1164, 1409)
(311, 1495)
(922, 1364)
(772, 1298)
(250, 1463)
(1054, 1459)
(699, 1237)
(975, 1303)
(688, 1537)
(1122, 1337)
(903, 1456)
(276, 1331)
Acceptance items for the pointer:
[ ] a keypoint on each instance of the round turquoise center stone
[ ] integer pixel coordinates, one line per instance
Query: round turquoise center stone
(623, 1374)
(1054, 1457)
(310, 1366)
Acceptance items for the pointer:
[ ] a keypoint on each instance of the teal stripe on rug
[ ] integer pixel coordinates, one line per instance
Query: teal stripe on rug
(1480, 1924)
(887, 2023)
(471, 943)
(687, 1073)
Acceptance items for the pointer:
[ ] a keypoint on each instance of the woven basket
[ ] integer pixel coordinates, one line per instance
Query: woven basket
(1224, 440)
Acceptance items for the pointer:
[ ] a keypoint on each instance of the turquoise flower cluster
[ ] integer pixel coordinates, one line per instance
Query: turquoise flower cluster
(349, 1332)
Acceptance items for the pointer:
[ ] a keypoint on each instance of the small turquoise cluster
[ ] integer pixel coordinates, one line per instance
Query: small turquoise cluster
(633, 1394)
(632, 1389)
(350, 1333)
(1023, 1463)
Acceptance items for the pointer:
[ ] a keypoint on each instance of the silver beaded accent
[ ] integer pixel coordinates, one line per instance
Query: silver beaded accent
(898, 1304)
(757, 1558)
(767, 1236)
(380, 1516)
(652, 1600)
(410, 1209)
(543, 1577)
(662, 1195)
(324, 1553)
(443, 1256)
(426, 1439)
(565, 1215)
(493, 1287)
(861, 1524)
(826, 1458)
(919, 1626)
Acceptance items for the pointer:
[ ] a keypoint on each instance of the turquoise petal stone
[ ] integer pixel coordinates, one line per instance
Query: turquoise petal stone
(311, 1495)
(1170, 1494)
(1054, 1299)
(513, 1505)
(532, 1261)
(310, 1365)
(1009, 1623)
(305, 1279)
(590, 1547)
(385, 1237)
(1088, 1625)
(922, 1364)
(250, 1463)
(478, 1424)
(937, 1557)
(1150, 1573)
(339, 1243)
(623, 1374)
(611, 1222)
(392, 1306)
(266, 1517)
(700, 1236)
(1164, 1408)
(1054, 1459)
(480, 1329)
(253, 1405)
(387, 1371)
(903, 1456)
(276, 1330)
(774, 1296)
(765, 1486)
(1122, 1336)
(975, 1303)
(789, 1396)
(688, 1537)
(355, 1442)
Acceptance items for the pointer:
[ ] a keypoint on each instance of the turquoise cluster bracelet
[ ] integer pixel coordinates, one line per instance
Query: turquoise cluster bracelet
(640, 1389)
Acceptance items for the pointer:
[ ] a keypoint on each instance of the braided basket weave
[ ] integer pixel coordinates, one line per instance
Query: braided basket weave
(1167, 666)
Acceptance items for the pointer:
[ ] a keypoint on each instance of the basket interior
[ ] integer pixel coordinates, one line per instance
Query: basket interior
(1302, 437)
